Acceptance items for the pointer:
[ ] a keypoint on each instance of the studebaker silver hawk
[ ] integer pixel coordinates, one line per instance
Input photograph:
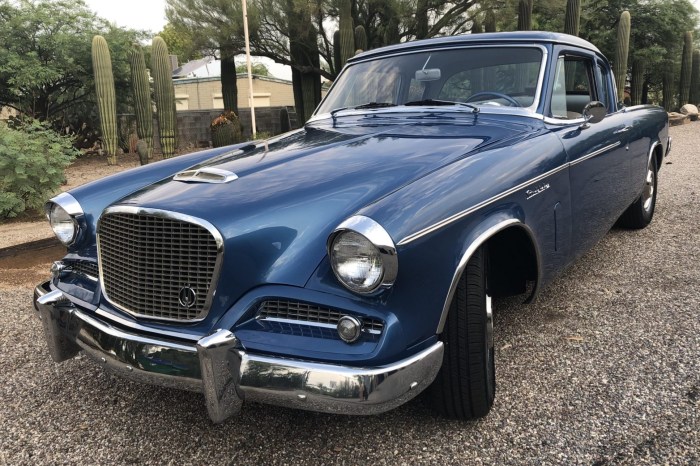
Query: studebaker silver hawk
(349, 265)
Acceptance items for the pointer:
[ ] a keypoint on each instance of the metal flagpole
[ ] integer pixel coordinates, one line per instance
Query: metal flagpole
(250, 75)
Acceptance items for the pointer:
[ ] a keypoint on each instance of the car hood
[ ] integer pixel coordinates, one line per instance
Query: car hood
(291, 192)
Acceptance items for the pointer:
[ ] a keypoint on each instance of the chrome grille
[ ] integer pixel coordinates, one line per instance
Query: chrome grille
(290, 311)
(149, 258)
(81, 267)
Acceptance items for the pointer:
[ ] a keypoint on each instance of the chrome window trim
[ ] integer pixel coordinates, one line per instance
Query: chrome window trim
(378, 236)
(532, 108)
(175, 216)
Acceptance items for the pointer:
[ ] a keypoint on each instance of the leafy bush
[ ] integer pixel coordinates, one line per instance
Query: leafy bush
(32, 160)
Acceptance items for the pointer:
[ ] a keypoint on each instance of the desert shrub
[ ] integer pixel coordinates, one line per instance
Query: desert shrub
(32, 160)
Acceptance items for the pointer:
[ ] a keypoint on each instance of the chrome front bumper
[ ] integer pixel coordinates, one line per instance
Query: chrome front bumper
(220, 368)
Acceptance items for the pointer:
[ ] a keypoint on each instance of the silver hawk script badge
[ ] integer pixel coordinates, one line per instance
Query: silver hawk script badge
(187, 297)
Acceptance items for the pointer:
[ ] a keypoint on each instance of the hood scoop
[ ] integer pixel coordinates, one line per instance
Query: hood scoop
(206, 175)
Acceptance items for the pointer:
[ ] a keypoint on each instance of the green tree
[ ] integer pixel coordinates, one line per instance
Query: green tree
(180, 43)
(45, 60)
(216, 28)
(259, 69)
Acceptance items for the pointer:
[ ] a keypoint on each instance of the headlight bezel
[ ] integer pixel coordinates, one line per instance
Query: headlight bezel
(73, 211)
(378, 237)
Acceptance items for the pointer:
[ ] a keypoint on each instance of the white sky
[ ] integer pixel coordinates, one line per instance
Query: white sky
(149, 15)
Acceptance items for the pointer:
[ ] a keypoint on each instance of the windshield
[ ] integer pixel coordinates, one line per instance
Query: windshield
(487, 76)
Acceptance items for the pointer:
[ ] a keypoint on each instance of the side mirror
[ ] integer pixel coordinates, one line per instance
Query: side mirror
(593, 112)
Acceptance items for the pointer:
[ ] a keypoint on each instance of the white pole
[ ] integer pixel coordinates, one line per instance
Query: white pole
(250, 75)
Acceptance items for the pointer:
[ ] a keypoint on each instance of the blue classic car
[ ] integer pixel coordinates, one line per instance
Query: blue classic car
(349, 265)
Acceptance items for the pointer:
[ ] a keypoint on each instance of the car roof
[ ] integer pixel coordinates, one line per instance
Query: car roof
(483, 38)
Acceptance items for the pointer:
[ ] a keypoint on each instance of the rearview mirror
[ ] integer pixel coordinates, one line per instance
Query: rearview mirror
(431, 74)
(593, 112)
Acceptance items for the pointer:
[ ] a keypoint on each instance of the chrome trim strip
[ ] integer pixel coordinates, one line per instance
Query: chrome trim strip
(378, 236)
(136, 326)
(538, 91)
(491, 200)
(595, 153)
(315, 324)
(481, 239)
(194, 175)
(498, 197)
(297, 322)
(176, 216)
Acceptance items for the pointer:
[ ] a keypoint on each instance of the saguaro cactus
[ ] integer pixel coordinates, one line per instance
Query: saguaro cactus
(695, 79)
(638, 69)
(285, 124)
(165, 97)
(686, 67)
(142, 100)
(621, 53)
(337, 59)
(573, 17)
(347, 33)
(490, 22)
(668, 86)
(106, 100)
(360, 38)
(525, 15)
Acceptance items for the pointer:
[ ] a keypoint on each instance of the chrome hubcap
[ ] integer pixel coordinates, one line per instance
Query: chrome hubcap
(648, 193)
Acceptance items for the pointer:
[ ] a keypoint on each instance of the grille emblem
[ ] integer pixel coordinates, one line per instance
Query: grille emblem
(187, 297)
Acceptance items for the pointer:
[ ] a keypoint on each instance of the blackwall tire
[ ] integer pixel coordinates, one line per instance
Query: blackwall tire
(466, 385)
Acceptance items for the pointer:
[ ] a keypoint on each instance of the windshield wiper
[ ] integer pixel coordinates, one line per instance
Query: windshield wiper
(363, 106)
(335, 111)
(474, 108)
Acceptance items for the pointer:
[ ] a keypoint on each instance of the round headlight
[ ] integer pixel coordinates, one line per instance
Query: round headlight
(63, 225)
(356, 262)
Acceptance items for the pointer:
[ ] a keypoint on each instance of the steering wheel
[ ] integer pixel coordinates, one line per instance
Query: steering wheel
(507, 98)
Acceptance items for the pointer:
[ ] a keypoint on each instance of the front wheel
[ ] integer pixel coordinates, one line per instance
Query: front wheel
(639, 214)
(466, 384)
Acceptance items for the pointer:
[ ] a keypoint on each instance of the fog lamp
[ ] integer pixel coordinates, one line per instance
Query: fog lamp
(349, 329)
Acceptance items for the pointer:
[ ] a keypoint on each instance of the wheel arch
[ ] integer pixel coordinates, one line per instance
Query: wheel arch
(490, 230)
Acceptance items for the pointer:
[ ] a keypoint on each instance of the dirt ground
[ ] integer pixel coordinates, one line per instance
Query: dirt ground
(29, 267)
(85, 169)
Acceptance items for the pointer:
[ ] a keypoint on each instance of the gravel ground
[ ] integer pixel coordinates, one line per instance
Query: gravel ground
(603, 369)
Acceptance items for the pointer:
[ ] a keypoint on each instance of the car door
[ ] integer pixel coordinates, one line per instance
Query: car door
(597, 152)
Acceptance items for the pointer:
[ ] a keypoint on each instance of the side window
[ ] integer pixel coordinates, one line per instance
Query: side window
(573, 87)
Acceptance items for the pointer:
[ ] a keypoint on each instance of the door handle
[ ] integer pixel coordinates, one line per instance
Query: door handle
(622, 130)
